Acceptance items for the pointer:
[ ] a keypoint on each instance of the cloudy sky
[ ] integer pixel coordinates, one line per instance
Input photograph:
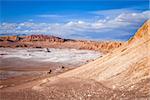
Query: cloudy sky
(77, 19)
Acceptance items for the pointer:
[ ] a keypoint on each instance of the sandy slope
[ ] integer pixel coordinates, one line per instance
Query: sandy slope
(125, 66)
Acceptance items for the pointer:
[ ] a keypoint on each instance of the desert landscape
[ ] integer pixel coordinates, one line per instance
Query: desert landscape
(31, 73)
(74, 50)
(27, 56)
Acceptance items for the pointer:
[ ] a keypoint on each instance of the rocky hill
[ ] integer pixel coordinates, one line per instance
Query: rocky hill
(45, 41)
(32, 38)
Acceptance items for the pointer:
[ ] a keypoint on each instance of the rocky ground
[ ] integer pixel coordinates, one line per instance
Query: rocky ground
(70, 89)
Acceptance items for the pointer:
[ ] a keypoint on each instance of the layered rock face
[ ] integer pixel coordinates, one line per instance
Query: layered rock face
(9, 38)
(45, 41)
(45, 38)
(32, 38)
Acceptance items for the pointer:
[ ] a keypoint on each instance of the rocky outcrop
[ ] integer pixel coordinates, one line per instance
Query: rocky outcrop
(10, 38)
(45, 38)
(45, 41)
(143, 32)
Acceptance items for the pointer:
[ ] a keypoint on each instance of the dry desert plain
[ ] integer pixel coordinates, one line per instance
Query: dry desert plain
(111, 71)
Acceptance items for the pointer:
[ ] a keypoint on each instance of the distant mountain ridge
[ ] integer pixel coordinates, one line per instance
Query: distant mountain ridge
(32, 38)
(46, 41)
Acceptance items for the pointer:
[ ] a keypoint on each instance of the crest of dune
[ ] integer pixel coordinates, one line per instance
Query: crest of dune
(126, 66)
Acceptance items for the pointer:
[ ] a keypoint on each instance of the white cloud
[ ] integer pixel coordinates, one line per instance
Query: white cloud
(113, 12)
(122, 22)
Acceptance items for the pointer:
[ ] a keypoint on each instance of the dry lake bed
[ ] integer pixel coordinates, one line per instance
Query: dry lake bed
(21, 65)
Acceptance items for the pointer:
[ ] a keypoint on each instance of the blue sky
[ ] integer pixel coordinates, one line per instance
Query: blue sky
(77, 19)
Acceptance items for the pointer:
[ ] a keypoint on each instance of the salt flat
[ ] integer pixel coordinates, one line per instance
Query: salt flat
(68, 56)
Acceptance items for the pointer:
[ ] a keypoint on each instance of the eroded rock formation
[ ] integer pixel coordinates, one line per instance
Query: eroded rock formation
(45, 41)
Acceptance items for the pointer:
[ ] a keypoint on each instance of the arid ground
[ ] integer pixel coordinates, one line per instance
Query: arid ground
(18, 66)
(119, 74)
